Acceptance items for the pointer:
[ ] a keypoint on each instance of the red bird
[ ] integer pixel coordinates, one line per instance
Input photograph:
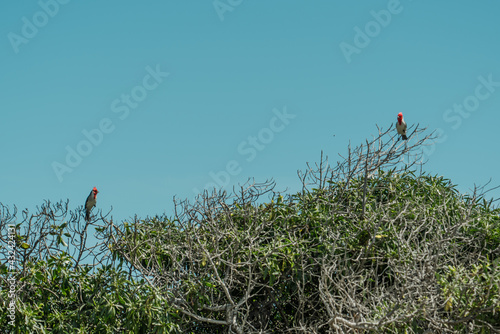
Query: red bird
(90, 203)
(401, 126)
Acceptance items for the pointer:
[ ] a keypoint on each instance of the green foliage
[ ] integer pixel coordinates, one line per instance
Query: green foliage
(56, 297)
(290, 259)
(393, 252)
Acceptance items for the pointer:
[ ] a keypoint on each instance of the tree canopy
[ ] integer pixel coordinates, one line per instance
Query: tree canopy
(371, 244)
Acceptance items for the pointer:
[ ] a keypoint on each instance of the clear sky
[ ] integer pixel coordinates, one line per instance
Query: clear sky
(155, 99)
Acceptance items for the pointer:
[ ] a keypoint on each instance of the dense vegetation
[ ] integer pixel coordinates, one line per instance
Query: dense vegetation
(370, 245)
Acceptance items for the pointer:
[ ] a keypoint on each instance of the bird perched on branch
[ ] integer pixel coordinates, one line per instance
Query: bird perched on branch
(401, 126)
(90, 203)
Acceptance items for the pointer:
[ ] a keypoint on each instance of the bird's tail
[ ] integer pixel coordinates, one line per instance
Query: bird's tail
(404, 137)
(87, 215)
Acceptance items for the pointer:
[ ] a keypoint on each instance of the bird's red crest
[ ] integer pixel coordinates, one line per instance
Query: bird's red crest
(400, 117)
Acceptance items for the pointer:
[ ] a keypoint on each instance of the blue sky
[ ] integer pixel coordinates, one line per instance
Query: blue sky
(236, 69)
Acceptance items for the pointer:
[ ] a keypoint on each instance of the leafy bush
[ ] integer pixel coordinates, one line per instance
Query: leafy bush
(369, 245)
